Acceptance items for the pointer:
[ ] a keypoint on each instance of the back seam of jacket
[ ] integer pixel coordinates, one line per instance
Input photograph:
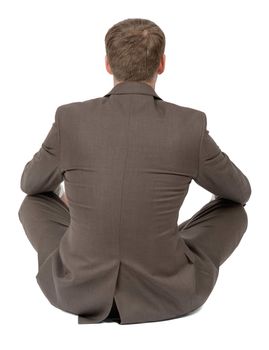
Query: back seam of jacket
(123, 176)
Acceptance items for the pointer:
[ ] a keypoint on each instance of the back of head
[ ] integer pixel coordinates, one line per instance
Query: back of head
(134, 48)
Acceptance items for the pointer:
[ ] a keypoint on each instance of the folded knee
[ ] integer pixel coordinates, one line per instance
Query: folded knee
(27, 206)
(239, 216)
(24, 207)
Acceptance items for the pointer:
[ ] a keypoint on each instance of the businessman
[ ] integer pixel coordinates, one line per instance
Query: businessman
(110, 247)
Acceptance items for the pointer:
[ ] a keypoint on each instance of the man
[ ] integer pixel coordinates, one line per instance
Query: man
(110, 248)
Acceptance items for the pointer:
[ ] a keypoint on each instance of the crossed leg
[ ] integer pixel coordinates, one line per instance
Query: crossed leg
(45, 218)
(216, 229)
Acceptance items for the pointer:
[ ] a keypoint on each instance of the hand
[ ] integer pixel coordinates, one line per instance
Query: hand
(64, 198)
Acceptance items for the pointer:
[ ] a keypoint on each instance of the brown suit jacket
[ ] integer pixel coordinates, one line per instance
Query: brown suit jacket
(127, 160)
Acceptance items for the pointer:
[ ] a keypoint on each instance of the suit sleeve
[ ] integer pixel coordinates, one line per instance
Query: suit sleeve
(42, 173)
(217, 173)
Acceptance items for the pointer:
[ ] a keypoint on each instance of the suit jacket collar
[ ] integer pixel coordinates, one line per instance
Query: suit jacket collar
(133, 87)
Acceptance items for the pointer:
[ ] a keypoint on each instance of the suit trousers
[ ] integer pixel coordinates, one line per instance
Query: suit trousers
(213, 232)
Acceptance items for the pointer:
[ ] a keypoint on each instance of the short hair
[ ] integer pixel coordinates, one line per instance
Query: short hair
(134, 48)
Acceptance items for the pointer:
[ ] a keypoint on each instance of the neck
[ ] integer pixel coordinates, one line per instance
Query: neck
(150, 83)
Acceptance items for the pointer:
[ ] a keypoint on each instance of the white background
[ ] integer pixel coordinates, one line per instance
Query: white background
(52, 52)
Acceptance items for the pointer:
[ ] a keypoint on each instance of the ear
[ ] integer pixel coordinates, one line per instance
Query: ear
(108, 68)
(162, 64)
